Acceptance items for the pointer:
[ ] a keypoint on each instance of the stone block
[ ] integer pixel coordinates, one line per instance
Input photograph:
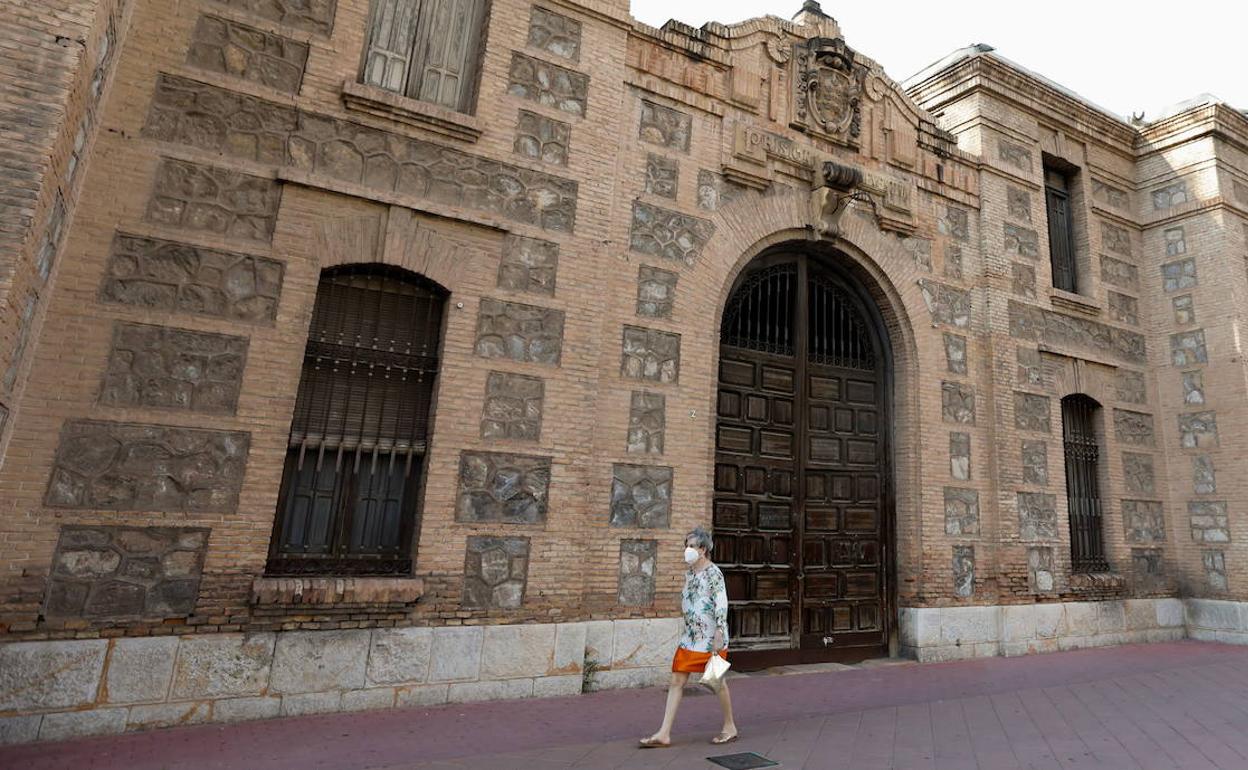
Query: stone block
(637, 572)
(140, 670)
(399, 655)
(1204, 476)
(528, 265)
(669, 234)
(662, 175)
(1040, 569)
(1035, 462)
(1138, 472)
(1124, 308)
(209, 199)
(1015, 649)
(555, 33)
(628, 678)
(1129, 386)
(957, 403)
(1020, 241)
(368, 700)
(495, 572)
(495, 486)
(244, 709)
(548, 84)
(507, 689)
(600, 641)
(1110, 617)
(923, 625)
(520, 332)
(1031, 412)
(456, 653)
(514, 651)
(641, 496)
(966, 625)
(1169, 612)
(570, 641)
(541, 138)
(311, 703)
(963, 571)
(1140, 614)
(557, 686)
(650, 355)
(656, 292)
(1209, 521)
(166, 368)
(1116, 272)
(50, 675)
(156, 715)
(222, 664)
(1184, 310)
(23, 729)
(1198, 430)
(421, 695)
(1037, 516)
(1050, 620)
(1018, 623)
(228, 47)
(1143, 521)
(1023, 280)
(1179, 275)
(947, 304)
(647, 420)
(643, 643)
(318, 661)
(1214, 615)
(1135, 428)
(1189, 348)
(1037, 324)
(82, 724)
(664, 126)
(1080, 619)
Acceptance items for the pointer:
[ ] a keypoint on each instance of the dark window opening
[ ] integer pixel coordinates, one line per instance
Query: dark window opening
(361, 425)
(1087, 542)
(1057, 197)
(838, 336)
(761, 312)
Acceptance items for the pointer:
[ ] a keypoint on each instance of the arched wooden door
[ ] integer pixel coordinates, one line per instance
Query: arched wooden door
(801, 530)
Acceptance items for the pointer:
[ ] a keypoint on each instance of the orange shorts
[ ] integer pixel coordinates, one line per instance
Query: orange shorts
(690, 662)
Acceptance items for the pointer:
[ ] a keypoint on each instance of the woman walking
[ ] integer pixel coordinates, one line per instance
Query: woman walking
(704, 603)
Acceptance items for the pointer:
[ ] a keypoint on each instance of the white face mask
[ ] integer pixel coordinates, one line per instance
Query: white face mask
(691, 555)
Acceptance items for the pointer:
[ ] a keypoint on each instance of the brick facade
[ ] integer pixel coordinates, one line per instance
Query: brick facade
(195, 166)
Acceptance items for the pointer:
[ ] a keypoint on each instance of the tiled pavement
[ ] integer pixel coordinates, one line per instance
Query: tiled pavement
(1176, 705)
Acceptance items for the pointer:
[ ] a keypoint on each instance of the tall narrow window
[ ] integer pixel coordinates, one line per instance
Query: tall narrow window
(361, 425)
(1087, 542)
(1061, 229)
(426, 49)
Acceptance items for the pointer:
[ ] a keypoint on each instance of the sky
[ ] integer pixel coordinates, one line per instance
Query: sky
(1126, 57)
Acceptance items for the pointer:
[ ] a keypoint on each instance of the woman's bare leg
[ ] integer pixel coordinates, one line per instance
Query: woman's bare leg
(675, 690)
(730, 727)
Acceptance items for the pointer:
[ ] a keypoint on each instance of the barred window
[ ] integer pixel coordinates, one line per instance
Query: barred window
(426, 49)
(1082, 453)
(361, 425)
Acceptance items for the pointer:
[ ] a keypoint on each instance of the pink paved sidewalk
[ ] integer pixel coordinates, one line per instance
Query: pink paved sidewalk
(1174, 705)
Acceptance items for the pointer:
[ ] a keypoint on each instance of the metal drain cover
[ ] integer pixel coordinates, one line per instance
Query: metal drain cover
(747, 760)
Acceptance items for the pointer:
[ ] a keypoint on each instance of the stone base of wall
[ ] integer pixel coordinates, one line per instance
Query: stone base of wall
(68, 689)
(1216, 620)
(956, 633)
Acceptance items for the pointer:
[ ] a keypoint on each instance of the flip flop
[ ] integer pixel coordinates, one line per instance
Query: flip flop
(721, 739)
(652, 743)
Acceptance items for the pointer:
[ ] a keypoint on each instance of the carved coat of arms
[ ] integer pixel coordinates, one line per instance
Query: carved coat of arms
(828, 86)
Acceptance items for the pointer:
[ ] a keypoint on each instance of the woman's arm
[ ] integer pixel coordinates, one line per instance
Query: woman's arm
(719, 596)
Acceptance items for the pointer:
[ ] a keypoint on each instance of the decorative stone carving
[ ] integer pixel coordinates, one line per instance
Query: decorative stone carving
(1204, 479)
(1215, 569)
(1209, 521)
(496, 570)
(1031, 412)
(651, 355)
(638, 560)
(827, 88)
(1134, 428)
(960, 456)
(641, 496)
(1176, 241)
(1016, 155)
(126, 467)
(1022, 241)
(964, 571)
(1023, 280)
(947, 304)
(1188, 348)
(656, 292)
(1030, 370)
(1115, 272)
(1115, 239)
(1110, 195)
(1124, 309)
(1193, 388)
(961, 511)
(715, 191)
(519, 332)
(241, 126)
(1040, 569)
(1138, 473)
(664, 126)
(1170, 196)
(541, 138)
(172, 276)
(953, 261)
(528, 264)
(1143, 521)
(1198, 430)
(105, 572)
(1033, 323)
(214, 200)
(310, 15)
(662, 174)
(554, 33)
(955, 223)
(1037, 516)
(1036, 463)
(669, 234)
(510, 488)
(1018, 204)
(1129, 386)
(1184, 310)
(547, 84)
(955, 353)
(225, 46)
(157, 366)
(646, 422)
(513, 407)
(1178, 275)
(957, 403)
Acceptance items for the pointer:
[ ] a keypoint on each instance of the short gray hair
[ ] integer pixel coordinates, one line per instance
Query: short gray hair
(701, 538)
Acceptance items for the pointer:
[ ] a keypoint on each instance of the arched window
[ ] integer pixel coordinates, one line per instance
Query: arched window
(361, 425)
(1087, 541)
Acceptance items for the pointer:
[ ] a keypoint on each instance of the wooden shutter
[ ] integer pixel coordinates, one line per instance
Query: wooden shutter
(1087, 543)
(391, 35)
(1061, 235)
(447, 52)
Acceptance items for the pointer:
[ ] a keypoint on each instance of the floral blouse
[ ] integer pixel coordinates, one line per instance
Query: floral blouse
(704, 603)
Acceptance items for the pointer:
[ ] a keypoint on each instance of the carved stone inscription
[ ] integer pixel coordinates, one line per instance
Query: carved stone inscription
(510, 488)
(104, 572)
(127, 467)
(496, 570)
(214, 200)
(157, 366)
(168, 275)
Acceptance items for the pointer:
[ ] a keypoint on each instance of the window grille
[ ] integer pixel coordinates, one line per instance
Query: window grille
(1087, 544)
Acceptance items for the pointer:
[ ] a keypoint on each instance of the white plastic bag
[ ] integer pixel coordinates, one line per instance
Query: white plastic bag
(714, 674)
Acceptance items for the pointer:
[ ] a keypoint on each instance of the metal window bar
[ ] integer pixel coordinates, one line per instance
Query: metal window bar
(838, 335)
(1087, 544)
(759, 316)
